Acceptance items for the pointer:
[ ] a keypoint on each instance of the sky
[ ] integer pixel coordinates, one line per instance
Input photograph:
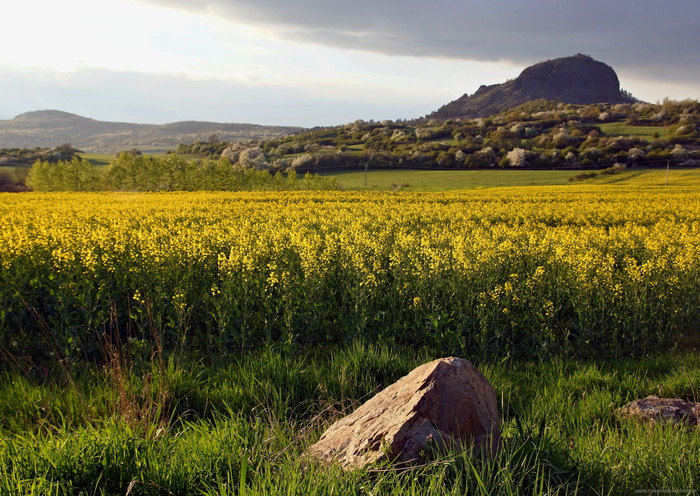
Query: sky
(321, 62)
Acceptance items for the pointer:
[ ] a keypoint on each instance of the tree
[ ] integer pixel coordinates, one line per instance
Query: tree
(517, 157)
(301, 161)
(679, 153)
(78, 174)
(561, 139)
(253, 157)
(67, 150)
(133, 151)
(635, 155)
(503, 138)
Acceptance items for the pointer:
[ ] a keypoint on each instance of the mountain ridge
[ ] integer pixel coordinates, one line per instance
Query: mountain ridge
(49, 128)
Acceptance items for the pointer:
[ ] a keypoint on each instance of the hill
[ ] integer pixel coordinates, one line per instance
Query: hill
(542, 134)
(49, 128)
(578, 80)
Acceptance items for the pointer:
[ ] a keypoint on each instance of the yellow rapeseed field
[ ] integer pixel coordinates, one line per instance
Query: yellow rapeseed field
(511, 271)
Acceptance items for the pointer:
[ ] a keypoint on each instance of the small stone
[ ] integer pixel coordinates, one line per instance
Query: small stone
(654, 410)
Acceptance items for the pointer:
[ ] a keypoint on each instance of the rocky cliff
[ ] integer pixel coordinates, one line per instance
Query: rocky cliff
(578, 79)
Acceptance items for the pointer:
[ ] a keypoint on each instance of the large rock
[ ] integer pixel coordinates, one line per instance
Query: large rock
(444, 402)
(578, 79)
(654, 410)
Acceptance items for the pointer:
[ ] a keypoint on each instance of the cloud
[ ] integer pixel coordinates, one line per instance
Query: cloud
(648, 38)
(326, 62)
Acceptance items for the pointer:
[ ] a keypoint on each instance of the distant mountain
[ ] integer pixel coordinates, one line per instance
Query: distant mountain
(49, 128)
(577, 80)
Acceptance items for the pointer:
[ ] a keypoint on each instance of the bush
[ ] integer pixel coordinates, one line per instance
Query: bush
(9, 185)
(615, 169)
(583, 176)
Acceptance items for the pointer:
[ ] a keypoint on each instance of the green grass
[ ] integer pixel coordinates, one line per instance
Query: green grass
(241, 428)
(411, 180)
(619, 128)
(16, 172)
(97, 158)
(11, 169)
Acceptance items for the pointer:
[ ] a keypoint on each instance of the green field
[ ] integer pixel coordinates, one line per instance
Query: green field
(620, 129)
(97, 158)
(12, 168)
(17, 173)
(411, 180)
(356, 148)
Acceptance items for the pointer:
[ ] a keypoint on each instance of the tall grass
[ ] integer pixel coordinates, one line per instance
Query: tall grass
(242, 428)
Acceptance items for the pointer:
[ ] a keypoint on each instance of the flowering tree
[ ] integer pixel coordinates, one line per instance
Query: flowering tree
(517, 157)
(635, 154)
(253, 157)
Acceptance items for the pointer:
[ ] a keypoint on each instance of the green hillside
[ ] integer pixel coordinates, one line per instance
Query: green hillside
(537, 135)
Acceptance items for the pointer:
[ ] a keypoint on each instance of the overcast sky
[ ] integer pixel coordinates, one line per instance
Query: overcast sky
(321, 62)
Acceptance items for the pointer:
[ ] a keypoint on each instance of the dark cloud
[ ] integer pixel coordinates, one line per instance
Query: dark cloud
(644, 38)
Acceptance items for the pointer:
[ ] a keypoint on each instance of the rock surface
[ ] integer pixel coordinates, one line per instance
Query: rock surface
(443, 402)
(578, 79)
(662, 410)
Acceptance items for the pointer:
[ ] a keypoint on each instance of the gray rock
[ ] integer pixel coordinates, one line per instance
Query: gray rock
(654, 410)
(444, 402)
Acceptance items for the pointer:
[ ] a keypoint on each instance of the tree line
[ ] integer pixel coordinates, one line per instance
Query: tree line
(137, 172)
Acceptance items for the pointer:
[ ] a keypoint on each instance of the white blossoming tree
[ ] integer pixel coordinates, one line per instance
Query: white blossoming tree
(517, 157)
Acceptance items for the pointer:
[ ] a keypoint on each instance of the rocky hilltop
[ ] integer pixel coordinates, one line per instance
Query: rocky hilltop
(578, 79)
(49, 128)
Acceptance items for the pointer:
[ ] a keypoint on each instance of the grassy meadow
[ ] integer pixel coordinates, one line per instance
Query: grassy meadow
(619, 128)
(242, 427)
(197, 343)
(98, 159)
(14, 171)
(412, 180)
